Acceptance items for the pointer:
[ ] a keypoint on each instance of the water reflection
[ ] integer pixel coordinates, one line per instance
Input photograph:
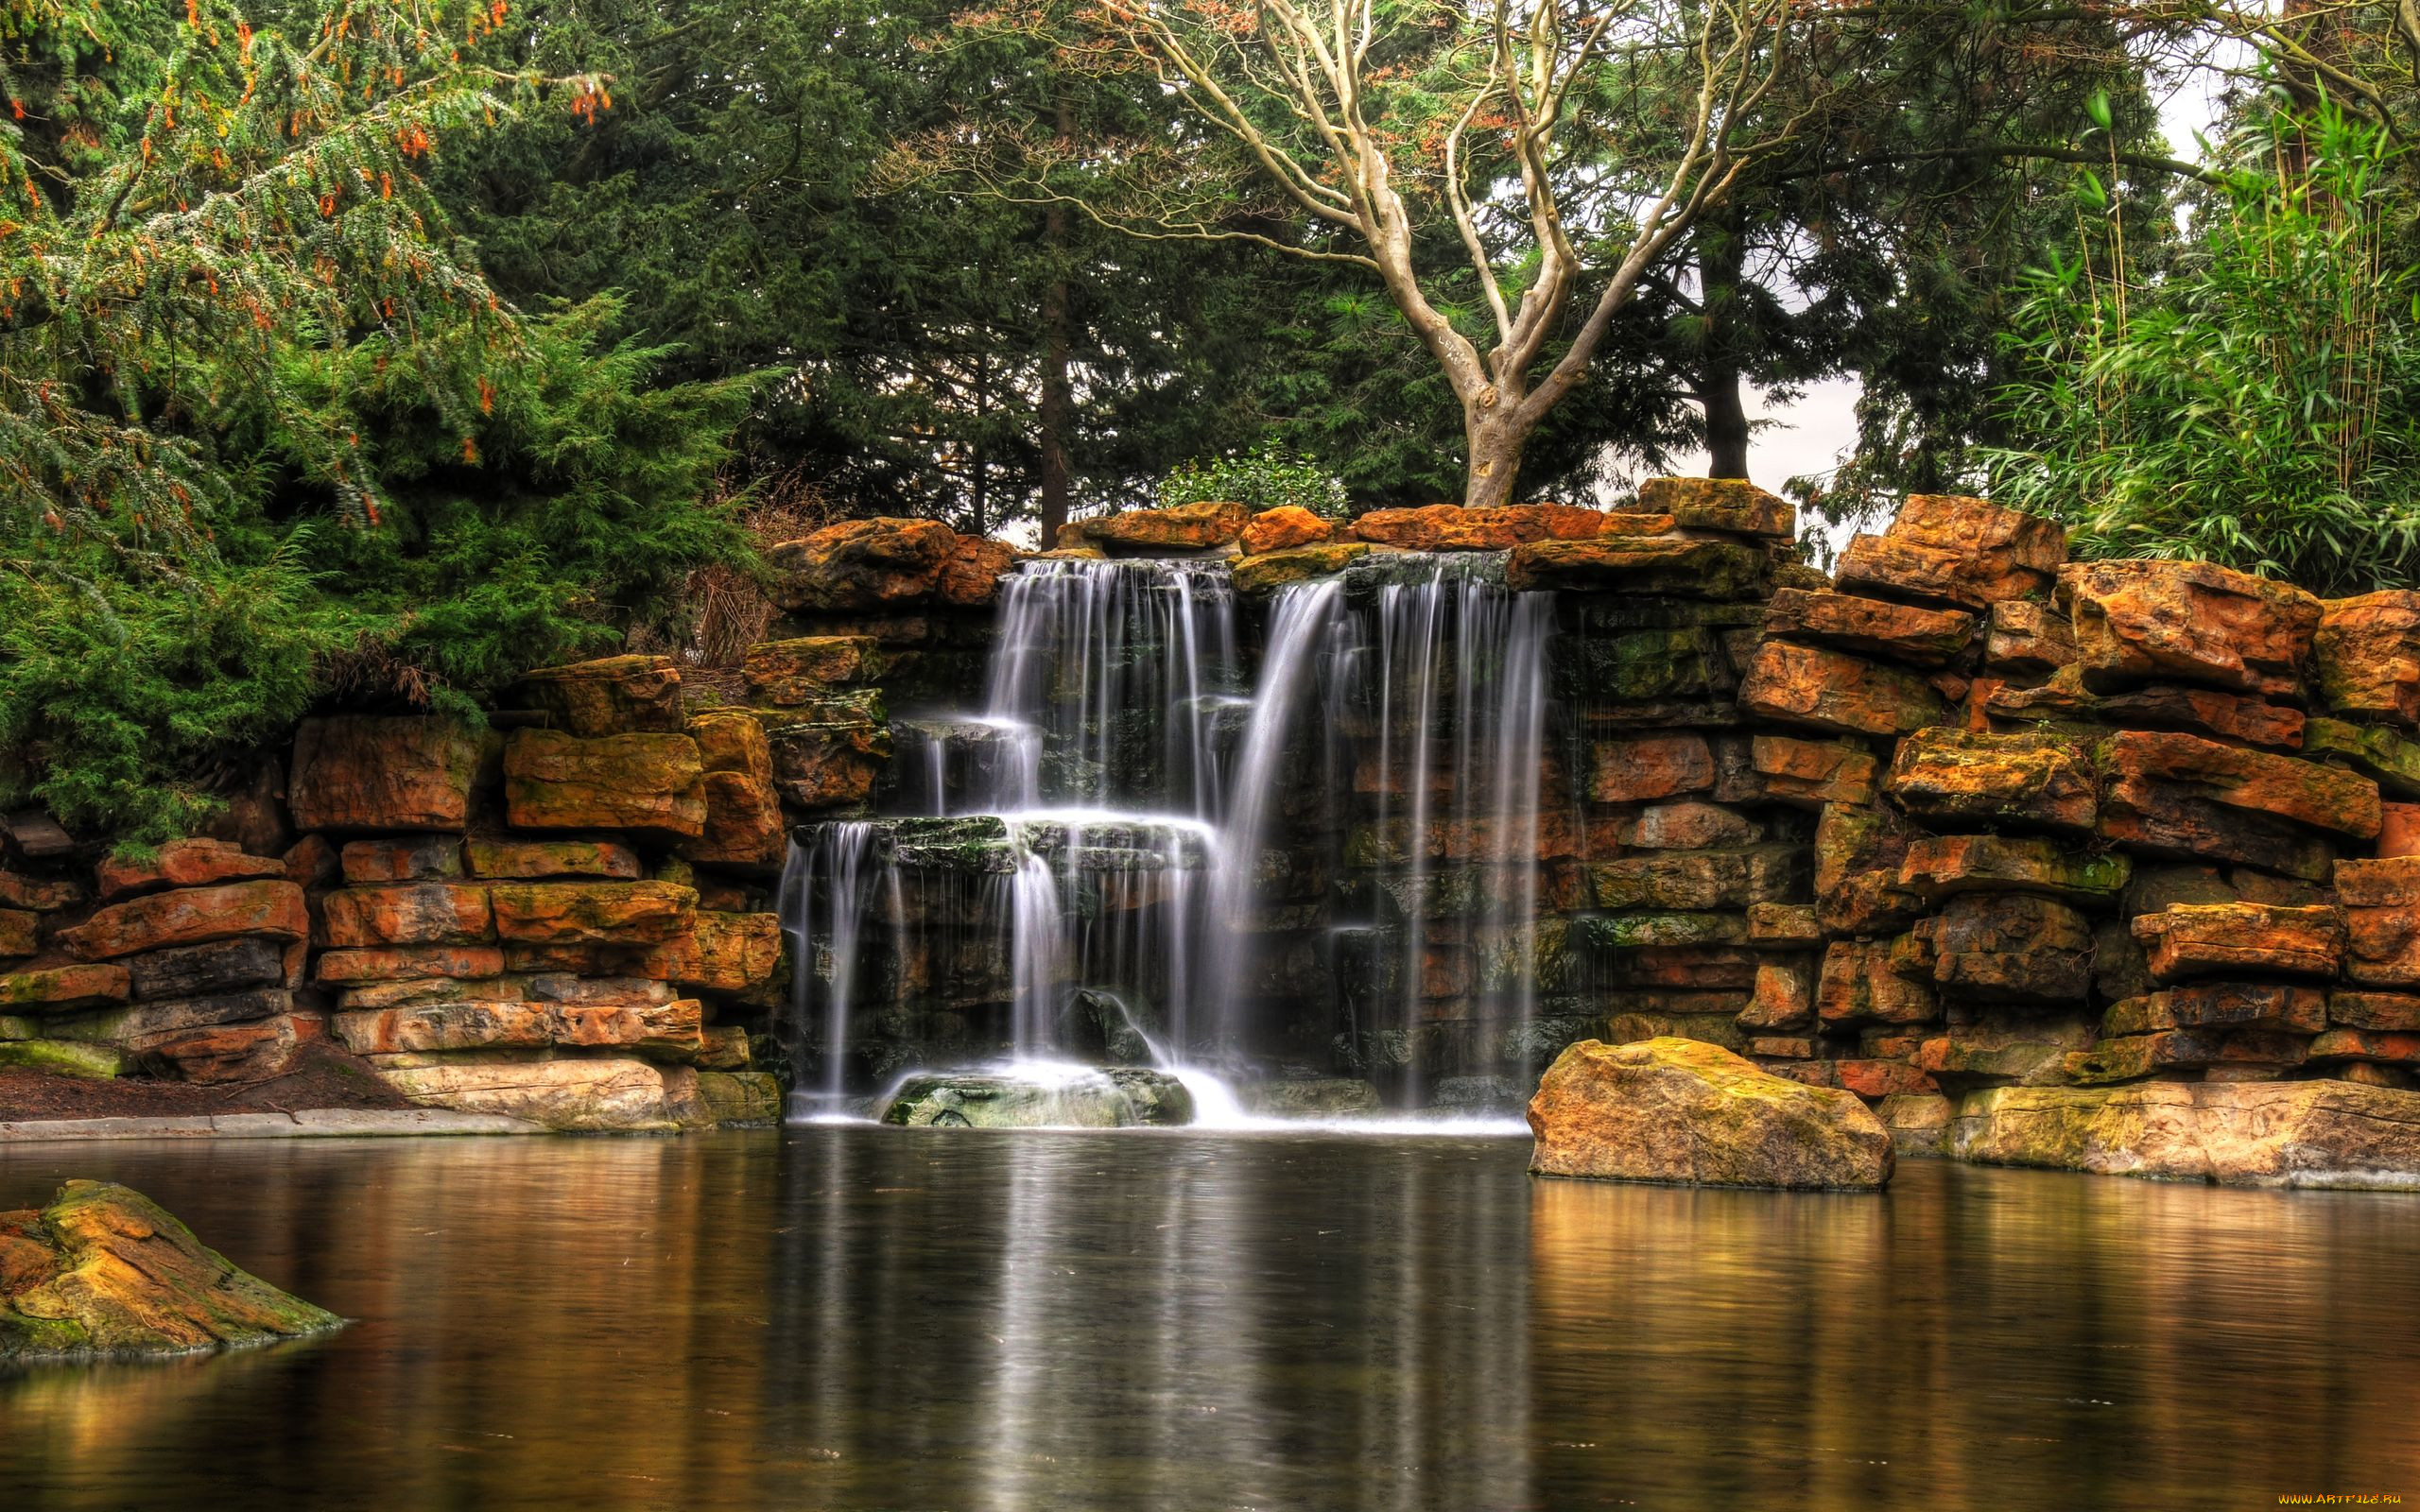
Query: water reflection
(860, 1318)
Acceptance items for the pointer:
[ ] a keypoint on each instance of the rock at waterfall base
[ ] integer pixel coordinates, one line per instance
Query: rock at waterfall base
(1106, 1097)
(105, 1271)
(1678, 1111)
(2271, 1133)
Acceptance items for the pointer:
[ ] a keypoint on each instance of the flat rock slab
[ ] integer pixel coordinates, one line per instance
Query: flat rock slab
(1087, 1097)
(324, 1123)
(105, 1271)
(2277, 1133)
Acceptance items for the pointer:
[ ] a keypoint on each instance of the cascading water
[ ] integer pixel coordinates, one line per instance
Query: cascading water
(826, 942)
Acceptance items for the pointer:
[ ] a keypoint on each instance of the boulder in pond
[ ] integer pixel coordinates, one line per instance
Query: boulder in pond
(1041, 1097)
(2269, 1133)
(1680, 1110)
(105, 1271)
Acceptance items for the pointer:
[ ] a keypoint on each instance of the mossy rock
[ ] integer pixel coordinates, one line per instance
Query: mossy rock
(62, 1057)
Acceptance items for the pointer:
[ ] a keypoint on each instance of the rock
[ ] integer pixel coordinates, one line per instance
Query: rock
(1687, 825)
(2132, 1058)
(415, 991)
(1260, 575)
(1942, 548)
(2147, 771)
(1944, 776)
(743, 825)
(423, 859)
(2230, 939)
(2220, 1005)
(142, 1025)
(739, 1099)
(2027, 639)
(1858, 854)
(1677, 567)
(41, 895)
(1454, 527)
(182, 864)
(1288, 524)
(724, 1047)
(603, 1094)
(63, 988)
(1783, 998)
(2286, 1133)
(830, 753)
(2139, 622)
(1783, 925)
(312, 862)
(411, 962)
(1938, 867)
(20, 933)
(2382, 946)
(608, 913)
(1697, 880)
(1311, 1097)
(788, 673)
(614, 695)
(1200, 527)
(2365, 657)
(2387, 883)
(971, 577)
(2007, 947)
(1639, 768)
(2029, 1049)
(1676, 1110)
(427, 913)
(721, 952)
(861, 564)
(530, 860)
(1107, 1097)
(105, 1271)
(1858, 984)
(1811, 773)
(2370, 1045)
(667, 1027)
(1870, 627)
(649, 784)
(250, 1050)
(2393, 1012)
(1732, 504)
(191, 916)
(1660, 672)
(359, 772)
(61, 1058)
(2384, 756)
(1831, 690)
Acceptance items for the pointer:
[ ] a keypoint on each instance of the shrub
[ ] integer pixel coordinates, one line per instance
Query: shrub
(1263, 479)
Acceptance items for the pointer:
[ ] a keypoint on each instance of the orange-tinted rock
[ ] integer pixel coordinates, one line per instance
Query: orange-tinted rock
(2382, 946)
(608, 913)
(312, 862)
(1783, 925)
(970, 577)
(1831, 690)
(19, 932)
(41, 895)
(1811, 773)
(427, 912)
(1687, 825)
(408, 963)
(1287, 526)
(2008, 946)
(2250, 782)
(1857, 986)
(2188, 622)
(2394, 1012)
(1967, 777)
(650, 784)
(1454, 527)
(743, 815)
(2389, 883)
(2238, 939)
(1857, 853)
(668, 1026)
(1874, 1079)
(2128, 1057)
(1733, 504)
(1668, 566)
(2253, 721)
(719, 952)
(425, 858)
(1871, 626)
(528, 860)
(829, 752)
(1944, 548)
(234, 1052)
(61, 988)
(1942, 866)
(1187, 527)
(2365, 657)
(788, 672)
(1641, 768)
(861, 564)
(1697, 880)
(182, 864)
(362, 772)
(612, 695)
(2027, 639)
(1629, 522)
(2220, 1005)
(1784, 996)
(190, 916)
(2398, 828)
(2362, 1044)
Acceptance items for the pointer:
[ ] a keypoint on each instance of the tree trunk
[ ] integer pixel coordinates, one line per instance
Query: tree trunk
(1495, 445)
(1720, 254)
(1058, 396)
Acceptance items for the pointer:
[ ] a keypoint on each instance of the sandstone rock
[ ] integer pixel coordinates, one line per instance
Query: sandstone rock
(1732, 504)
(405, 963)
(2220, 1005)
(2188, 622)
(529, 860)
(59, 1057)
(721, 952)
(1687, 825)
(2381, 754)
(1658, 930)
(1453, 527)
(1857, 853)
(2203, 712)
(1938, 867)
(1287, 526)
(1108, 1097)
(2138, 764)
(251, 1051)
(1676, 1110)
(1187, 527)
(2293, 1133)
(1782, 924)
(672, 1027)
(1311, 1097)
(1944, 776)
(105, 1271)
(2365, 1044)
(412, 991)
(2389, 883)
(616, 1093)
(427, 912)
(2365, 657)
(599, 991)
(424, 858)
(1949, 549)
(2132, 1058)
(2224, 940)
(312, 862)
(722, 1047)
(2382, 946)
(2009, 947)
(1643, 767)
(2027, 639)
(2399, 829)
(743, 826)
(650, 784)
(1870, 627)
(1260, 575)
(861, 564)
(739, 1099)
(182, 864)
(357, 772)
(971, 577)
(830, 753)
(2393, 1012)
(2025, 1049)
(141, 1024)
(1670, 566)
(1784, 996)
(1698, 880)
(41, 895)
(1830, 690)
(612, 695)
(191, 916)
(1811, 773)
(20, 933)
(609, 913)
(1858, 984)
(63, 988)
(788, 673)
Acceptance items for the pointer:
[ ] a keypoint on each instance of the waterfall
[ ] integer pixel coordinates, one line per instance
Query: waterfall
(824, 947)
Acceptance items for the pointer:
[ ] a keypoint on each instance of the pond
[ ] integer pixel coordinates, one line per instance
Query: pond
(862, 1317)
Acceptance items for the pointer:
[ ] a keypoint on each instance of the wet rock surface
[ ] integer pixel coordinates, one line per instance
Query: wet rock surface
(1104, 1097)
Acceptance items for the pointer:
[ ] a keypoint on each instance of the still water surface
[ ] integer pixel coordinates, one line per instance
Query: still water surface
(855, 1317)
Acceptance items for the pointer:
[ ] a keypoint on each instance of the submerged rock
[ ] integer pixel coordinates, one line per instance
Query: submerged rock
(105, 1271)
(2272, 1133)
(1679, 1111)
(1310, 1097)
(1105, 1097)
